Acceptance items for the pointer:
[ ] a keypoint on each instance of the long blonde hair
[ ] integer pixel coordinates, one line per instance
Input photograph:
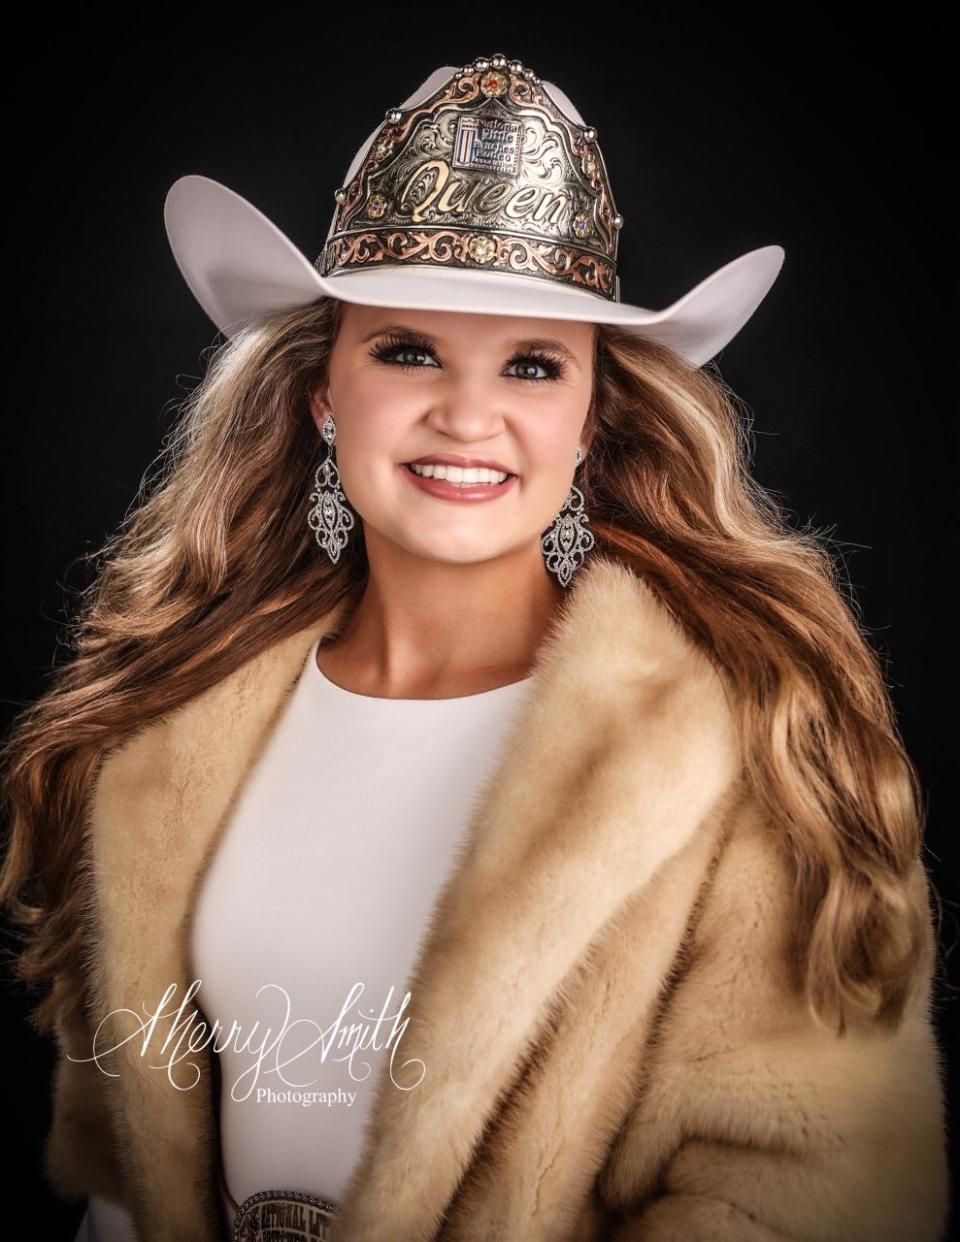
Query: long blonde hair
(214, 562)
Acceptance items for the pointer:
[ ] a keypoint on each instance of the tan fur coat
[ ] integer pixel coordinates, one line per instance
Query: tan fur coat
(612, 1049)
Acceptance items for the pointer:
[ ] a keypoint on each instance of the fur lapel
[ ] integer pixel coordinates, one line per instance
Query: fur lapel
(619, 752)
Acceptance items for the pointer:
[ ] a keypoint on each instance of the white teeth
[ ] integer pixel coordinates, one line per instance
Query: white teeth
(457, 474)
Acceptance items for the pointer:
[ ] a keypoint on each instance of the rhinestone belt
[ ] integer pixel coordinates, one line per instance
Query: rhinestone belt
(281, 1216)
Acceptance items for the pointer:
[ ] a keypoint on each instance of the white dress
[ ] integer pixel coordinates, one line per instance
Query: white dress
(318, 897)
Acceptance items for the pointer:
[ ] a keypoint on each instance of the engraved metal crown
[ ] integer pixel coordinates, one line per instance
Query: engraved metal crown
(486, 173)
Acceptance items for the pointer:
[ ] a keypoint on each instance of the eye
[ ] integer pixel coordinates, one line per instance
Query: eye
(392, 348)
(553, 367)
(389, 350)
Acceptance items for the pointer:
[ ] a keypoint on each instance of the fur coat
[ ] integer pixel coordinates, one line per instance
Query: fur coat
(613, 1050)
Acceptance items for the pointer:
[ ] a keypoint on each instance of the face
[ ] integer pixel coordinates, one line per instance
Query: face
(508, 394)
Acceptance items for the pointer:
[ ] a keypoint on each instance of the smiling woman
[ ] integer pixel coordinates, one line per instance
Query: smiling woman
(456, 664)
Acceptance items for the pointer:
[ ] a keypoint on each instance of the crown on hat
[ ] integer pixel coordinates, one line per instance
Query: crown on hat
(488, 173)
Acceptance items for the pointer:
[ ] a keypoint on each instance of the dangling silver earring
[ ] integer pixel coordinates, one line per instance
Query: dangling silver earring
(568, 541)
(330, 519)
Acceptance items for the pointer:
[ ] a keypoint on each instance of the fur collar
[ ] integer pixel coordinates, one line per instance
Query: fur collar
(621, 748)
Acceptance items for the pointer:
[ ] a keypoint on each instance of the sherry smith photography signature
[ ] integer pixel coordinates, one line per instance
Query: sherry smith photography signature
(189, 1031)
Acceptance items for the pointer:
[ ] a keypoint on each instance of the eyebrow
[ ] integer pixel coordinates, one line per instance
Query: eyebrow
(532, 343)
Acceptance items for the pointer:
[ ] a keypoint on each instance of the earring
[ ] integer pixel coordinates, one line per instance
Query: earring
(568, 541)
(330, 519)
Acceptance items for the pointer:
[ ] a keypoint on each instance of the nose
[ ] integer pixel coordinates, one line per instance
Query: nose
(466, 411)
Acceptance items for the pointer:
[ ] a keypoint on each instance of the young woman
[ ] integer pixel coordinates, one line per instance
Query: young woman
(470, 811)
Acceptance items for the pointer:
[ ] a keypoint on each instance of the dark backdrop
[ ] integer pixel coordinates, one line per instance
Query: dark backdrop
(719, 135)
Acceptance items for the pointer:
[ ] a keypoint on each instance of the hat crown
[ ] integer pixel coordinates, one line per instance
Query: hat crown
(484, 167)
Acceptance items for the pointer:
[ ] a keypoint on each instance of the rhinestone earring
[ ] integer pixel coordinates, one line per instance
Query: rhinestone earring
(330, 519)
(568, 541)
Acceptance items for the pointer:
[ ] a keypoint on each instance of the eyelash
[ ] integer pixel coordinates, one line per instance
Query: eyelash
(393, 344)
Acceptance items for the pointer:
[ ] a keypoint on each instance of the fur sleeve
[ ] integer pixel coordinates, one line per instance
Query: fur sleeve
(79, 1153)
(755, 1124)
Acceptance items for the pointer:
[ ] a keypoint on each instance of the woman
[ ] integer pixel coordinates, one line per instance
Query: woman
(591, 787)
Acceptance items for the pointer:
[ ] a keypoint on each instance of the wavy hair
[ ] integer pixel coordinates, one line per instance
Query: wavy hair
(214, 562)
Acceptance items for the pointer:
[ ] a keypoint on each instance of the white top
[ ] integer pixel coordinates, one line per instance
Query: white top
(345, 831)
(318, 897)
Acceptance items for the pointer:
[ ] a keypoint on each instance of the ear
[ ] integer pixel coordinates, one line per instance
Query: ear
(319, 403)
(589, 429)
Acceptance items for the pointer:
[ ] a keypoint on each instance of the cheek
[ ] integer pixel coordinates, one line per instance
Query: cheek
(546, 490)
(368, 449)
(551, 438)
(375, 431)
(550, 450)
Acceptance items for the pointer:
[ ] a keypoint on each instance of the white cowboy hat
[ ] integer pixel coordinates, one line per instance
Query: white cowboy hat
(484, 192)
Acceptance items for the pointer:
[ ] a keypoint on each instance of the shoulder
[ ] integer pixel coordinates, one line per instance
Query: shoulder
(614, 629)
(626, 640)
(618, 673)
(207, 729)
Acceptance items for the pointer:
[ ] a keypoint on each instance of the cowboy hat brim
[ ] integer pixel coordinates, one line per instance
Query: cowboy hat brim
(239, 266)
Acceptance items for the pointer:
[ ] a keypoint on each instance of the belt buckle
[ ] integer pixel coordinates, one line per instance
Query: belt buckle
(283, 1216)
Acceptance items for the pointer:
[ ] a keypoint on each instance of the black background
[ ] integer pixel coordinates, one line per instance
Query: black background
(719, 135)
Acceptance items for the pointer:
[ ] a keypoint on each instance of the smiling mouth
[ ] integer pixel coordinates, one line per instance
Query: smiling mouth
(458, 476)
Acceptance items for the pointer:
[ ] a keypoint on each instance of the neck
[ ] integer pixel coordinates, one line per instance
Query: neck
(425, 627)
